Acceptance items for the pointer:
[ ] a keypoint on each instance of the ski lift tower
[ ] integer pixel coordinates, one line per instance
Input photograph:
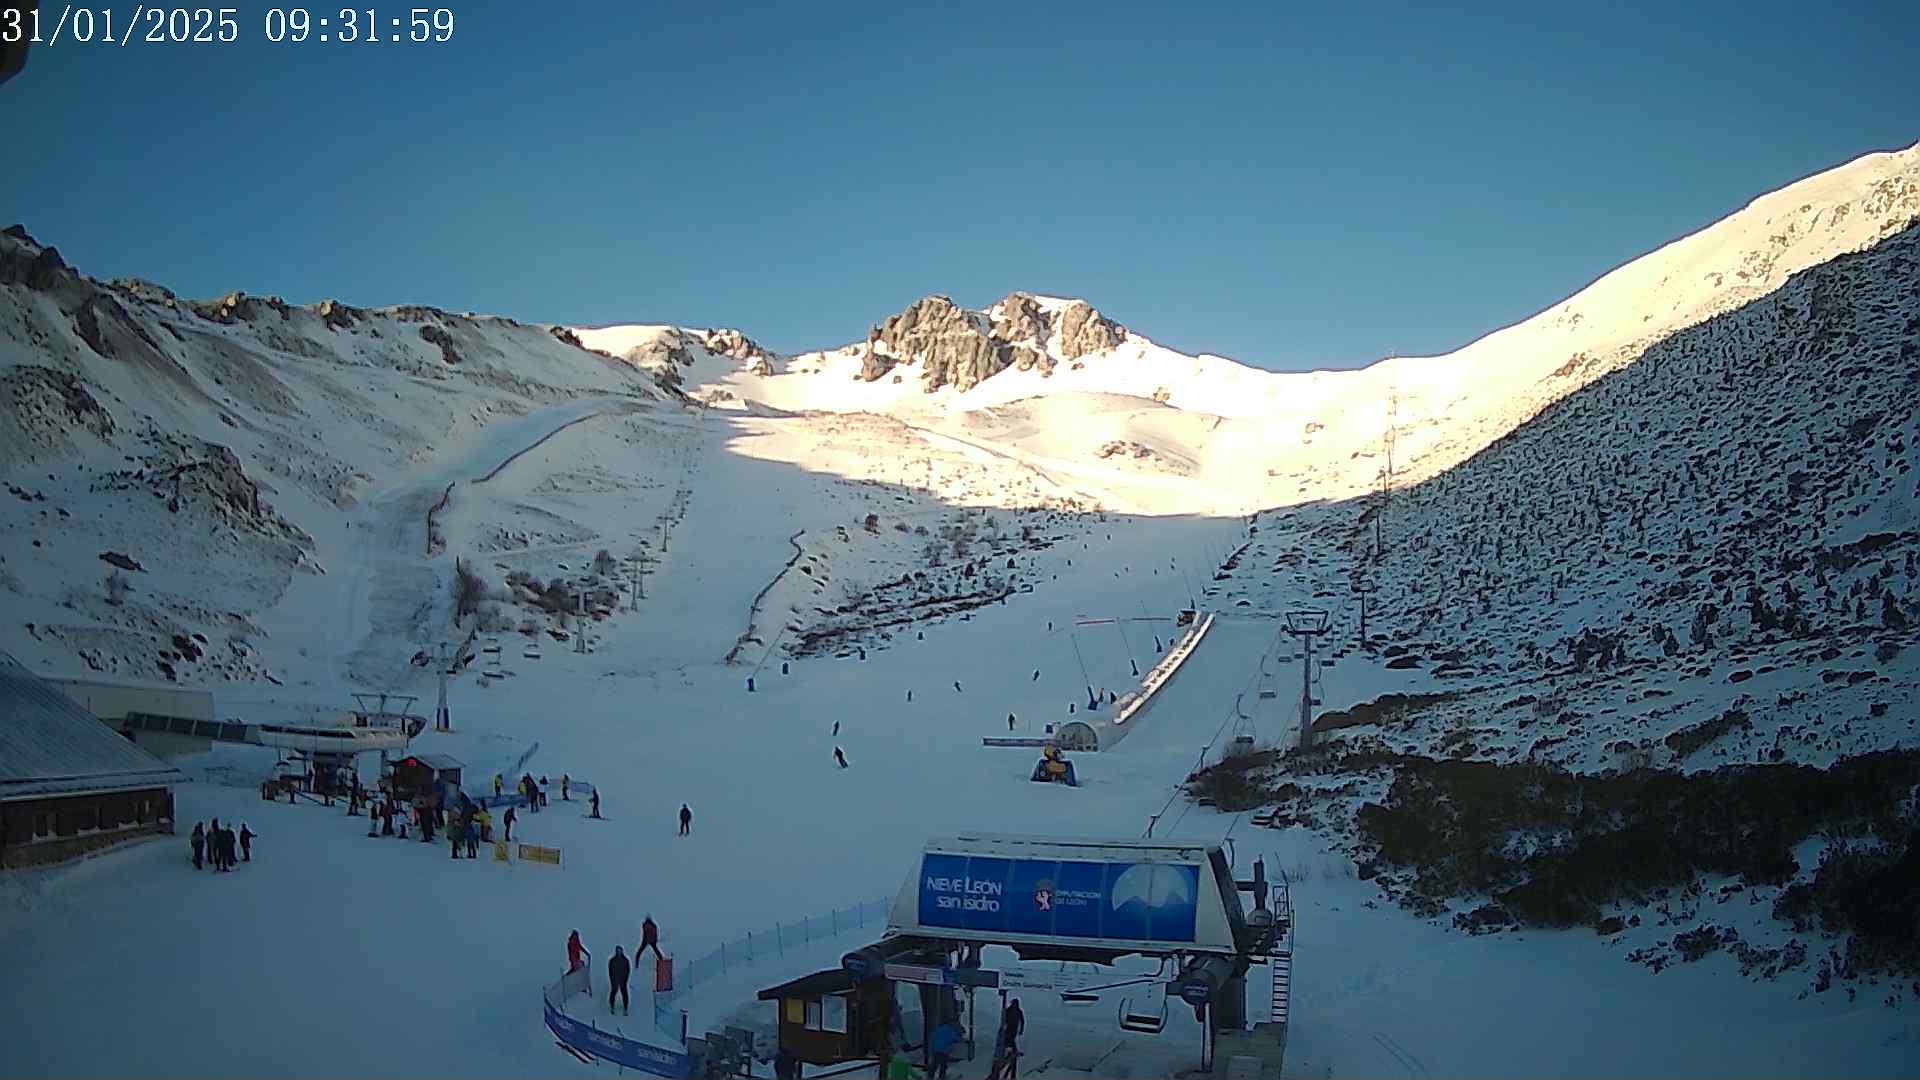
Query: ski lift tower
(445, 656)
(1362, 588)
(1307, 624)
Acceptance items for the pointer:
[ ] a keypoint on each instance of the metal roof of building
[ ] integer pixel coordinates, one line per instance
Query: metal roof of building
(50, 746)
(436, 762)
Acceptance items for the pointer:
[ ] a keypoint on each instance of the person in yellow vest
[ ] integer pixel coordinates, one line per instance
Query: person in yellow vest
(486, 824)
(496, 785)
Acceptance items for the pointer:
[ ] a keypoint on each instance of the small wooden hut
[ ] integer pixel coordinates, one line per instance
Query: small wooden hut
(424, 774)
(831, 1016)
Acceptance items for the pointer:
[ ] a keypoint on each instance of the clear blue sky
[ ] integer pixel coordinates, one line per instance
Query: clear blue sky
(1290, 189)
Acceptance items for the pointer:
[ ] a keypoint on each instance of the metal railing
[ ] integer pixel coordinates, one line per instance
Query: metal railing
(758, 945)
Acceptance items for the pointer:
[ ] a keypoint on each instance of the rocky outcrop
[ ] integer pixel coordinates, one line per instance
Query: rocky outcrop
(727, 341)
(950, 343)
(142, 289)
(1083, 330)
(1019, 318)
(960, 348)
(434, 335)
(45, 407)
(38, 268)
(237, 307)
(209, 480)
(338, 316)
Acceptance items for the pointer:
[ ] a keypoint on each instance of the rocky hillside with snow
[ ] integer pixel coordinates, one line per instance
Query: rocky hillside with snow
(1678, 611)
(175, 466)
(233, 441)
(1251, 438)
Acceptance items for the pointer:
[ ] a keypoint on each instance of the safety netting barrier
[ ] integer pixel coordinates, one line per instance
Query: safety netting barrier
(758, 945)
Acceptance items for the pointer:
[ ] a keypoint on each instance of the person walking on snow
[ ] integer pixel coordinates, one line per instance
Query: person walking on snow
(1006, 1044)
(497, 780)
(617, 971)
(472, 830)
(686, 820)
(508, 822)
(593, 808)
(1009, 721)
(213, 844)
(840, 756)
(453, 838)
(649, 939)
(566, 782)
(576, 952)
(226, 848)
(941, 1046)
(199, 842)
(246, 842)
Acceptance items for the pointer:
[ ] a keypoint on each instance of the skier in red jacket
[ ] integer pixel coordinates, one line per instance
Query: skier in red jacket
(576, 952)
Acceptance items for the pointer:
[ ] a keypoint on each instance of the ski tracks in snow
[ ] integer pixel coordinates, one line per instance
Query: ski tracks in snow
(1416, 1069)
(395, 595)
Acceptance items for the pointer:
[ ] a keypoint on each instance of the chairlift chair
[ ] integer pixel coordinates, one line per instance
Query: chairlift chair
(1267, 689)
(1146, 1023)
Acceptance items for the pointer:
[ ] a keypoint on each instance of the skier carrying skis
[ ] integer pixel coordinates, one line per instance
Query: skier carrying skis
(617, 971)
(246, 842)
(199, 842)
(686, 820)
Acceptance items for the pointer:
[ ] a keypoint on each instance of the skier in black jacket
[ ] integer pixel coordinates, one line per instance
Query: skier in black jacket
(199, 842)
(617, 971)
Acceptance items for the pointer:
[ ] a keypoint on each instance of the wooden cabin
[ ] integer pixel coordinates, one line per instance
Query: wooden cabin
(418, 774)
(831, 1016)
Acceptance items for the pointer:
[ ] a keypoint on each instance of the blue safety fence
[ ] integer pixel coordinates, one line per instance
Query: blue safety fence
(588, 1041)
(759, 945)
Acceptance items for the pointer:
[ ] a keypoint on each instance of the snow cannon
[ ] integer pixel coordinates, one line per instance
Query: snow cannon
(1054, 768)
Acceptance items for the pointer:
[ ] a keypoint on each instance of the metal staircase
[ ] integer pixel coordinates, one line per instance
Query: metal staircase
(1280, 952)
(1280, 962)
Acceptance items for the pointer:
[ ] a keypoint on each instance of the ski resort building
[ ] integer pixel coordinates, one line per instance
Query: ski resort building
(70, 784)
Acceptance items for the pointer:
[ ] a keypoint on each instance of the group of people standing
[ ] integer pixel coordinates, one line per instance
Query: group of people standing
(534, 793)
(213, 845)
(619, 966)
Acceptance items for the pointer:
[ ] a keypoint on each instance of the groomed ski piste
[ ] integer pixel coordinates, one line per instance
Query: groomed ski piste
(335, 953)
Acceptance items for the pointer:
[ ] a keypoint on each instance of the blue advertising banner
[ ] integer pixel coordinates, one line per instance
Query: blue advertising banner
(608, 1046)
(1068, 898)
